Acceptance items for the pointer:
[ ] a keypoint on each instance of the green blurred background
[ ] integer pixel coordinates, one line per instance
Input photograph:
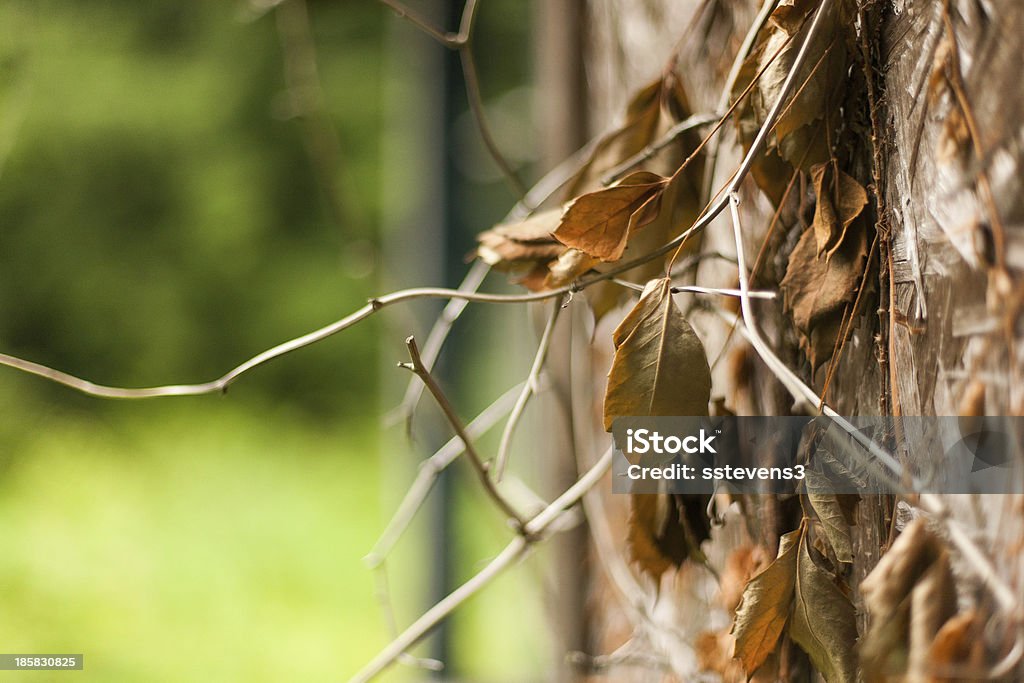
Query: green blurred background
(161, 220)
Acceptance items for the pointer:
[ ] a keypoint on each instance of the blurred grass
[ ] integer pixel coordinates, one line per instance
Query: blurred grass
(212, 545)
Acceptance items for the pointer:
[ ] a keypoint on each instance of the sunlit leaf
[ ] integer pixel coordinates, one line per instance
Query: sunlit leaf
(660, 367)
(599, 223)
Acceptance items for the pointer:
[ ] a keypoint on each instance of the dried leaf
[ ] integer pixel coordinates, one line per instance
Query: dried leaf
(599, 223)
(816, 290)
(742, 563)
(531, 240)
(765, 607)
(569, 266)
(665, 530)
(648, 545)
(789, 15)
(824, 622)
(831, 512)
(932, 603)
(819, 95)
(954, 642)
(714, 653)
(909, 591)
(660, 367)
(840, 200)
(892, 579)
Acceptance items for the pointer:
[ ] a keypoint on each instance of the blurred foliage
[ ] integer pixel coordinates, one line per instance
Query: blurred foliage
(160, 218)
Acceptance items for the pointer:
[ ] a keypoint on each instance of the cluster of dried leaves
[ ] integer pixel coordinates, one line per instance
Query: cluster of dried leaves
(813, 171)
(916, 629)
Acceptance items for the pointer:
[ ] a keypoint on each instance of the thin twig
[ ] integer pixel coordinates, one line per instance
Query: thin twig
(475, 96)
(730, 81)
(463, 42)
(697, 289)
(515, 551)
(689, 123)
(435, 342)
(476, 104)
(535, 530)
(429, 471)
(529, 389)
(383, 594)
(416, 366)
(450, 40)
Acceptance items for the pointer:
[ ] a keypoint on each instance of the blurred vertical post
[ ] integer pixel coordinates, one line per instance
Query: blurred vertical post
(424, 90)
(442, 509)
(561, 103)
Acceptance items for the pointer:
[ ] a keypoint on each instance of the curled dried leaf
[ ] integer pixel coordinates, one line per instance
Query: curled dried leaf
(509, 245)
(821, 79)
(654, 109)
(665, 530)
(840, 200)
(816, 290)
(599, 223)
(567, 267)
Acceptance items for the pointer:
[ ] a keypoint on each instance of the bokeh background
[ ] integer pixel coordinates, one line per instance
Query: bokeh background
(176, 195)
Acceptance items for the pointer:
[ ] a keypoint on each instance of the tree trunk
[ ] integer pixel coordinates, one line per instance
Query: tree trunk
(938, 332)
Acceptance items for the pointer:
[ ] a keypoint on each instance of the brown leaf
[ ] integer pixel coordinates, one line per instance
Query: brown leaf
(816, 290)
(765, 607)
(714, 653)
(599, 223)
(954, 643)
(648, 546)
(530, 240)
(840, 199)
(789, 15)
(742, 563)
(659, 367)
(824, 622)
(665, 530)
(892, 579)
(909, 591)
(829, 509)
(932, 603)
(569, 266)
(819, 95)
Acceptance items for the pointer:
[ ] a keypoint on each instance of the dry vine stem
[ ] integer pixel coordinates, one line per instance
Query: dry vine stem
(530, 387)
(522, 545)
(429, 471)
(416, 366)
(463, 43)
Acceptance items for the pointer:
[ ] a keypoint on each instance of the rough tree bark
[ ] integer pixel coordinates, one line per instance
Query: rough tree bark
(941, 336)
